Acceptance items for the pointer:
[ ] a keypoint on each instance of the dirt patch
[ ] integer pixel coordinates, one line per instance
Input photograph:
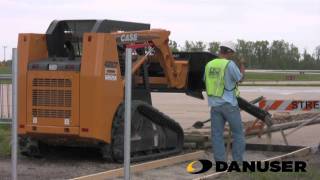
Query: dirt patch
(178, 171)
(284, 117)
(287, 117)
(58, 163)
(65, 163)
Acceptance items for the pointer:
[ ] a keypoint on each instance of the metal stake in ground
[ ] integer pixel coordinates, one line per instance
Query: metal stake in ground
(127, 115)
(14, 136)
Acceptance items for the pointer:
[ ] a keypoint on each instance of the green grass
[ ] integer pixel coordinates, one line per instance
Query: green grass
(312, 173)
(253, 76)
(249, 76)
(5, 70)
(281, 85)
(5, 140)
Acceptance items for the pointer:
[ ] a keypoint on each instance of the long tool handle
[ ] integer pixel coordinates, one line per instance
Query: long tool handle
(255, 111)
(200, 124)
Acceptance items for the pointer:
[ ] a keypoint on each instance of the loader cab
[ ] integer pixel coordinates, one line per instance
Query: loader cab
(54, 75)
(64, 38)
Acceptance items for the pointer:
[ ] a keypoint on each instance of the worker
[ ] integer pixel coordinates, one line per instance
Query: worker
(221, 78)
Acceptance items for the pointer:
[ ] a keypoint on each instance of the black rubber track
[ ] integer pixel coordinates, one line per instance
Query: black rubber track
(153, 115)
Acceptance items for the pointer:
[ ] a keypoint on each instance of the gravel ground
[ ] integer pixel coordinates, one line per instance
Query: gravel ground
(58, 163)
(179, 172)
(65, 163)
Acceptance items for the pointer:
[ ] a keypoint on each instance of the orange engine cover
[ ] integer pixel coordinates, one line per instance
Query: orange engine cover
(53, 100)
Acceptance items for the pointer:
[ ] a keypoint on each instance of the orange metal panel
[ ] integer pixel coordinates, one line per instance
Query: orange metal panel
(175, 71)
(52, 130)
(74, 92)
(99, 97)
(95, 95)
(31, 47)
(182, 73)
(153, 80)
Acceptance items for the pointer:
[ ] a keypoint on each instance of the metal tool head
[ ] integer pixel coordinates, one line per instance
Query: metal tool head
(198, 125)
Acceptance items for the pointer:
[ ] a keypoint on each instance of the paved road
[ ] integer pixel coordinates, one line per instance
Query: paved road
(186, 110)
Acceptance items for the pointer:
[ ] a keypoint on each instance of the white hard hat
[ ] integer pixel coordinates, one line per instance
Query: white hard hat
(229, 44)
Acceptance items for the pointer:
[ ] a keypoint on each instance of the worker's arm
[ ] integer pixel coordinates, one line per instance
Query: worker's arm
(235, 72)
(241, 67)
(242, 71)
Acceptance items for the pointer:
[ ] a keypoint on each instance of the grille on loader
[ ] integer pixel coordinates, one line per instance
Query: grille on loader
(55, 95)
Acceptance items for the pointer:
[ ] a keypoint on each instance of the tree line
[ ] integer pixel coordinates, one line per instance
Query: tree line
(277, 54)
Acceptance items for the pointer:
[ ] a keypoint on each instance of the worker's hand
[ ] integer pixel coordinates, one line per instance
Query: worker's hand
(242, 69)
(241, 61)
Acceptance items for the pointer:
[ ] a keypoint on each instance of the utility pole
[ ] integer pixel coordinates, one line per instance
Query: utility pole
(4, 53)
(14, 127)
(127, 115)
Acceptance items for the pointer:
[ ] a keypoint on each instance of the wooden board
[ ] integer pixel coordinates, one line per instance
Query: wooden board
(145, 166)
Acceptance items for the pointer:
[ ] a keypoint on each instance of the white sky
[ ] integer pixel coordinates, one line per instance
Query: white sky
(295, 21)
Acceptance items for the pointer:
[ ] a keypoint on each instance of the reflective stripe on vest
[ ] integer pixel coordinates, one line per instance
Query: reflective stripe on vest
(214, 77)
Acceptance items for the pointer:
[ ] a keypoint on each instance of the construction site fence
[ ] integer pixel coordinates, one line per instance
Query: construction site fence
(5, 99)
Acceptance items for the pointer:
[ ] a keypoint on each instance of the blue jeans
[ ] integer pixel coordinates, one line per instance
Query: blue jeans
(219, 116)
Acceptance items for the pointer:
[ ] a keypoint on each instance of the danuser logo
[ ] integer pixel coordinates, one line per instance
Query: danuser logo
(203, 165)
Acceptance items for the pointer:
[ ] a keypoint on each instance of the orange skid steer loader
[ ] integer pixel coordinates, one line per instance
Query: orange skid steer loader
(71, 88)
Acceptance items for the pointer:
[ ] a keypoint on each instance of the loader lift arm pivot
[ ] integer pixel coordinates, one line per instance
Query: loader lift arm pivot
(175, 71)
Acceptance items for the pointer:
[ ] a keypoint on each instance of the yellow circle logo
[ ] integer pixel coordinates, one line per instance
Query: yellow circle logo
(205, 166)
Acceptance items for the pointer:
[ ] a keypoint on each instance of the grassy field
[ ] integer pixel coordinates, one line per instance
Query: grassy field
(5, 70)
(312, 173)
(254, 76)
(249, 76)
(4, 140)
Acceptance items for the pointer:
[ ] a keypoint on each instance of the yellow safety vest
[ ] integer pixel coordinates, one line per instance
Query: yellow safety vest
(214, 78)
